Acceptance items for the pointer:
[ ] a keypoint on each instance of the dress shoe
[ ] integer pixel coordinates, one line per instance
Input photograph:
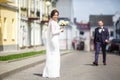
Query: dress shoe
(95, 63)
(104, 63)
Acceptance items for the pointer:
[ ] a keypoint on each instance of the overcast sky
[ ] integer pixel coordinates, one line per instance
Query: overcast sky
(83, 8)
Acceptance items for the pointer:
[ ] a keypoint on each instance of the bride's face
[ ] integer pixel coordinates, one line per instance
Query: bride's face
(55, 16)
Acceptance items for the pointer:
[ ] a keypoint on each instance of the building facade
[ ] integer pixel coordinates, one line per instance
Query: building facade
(21, 22)
(84, 34)
(8, 24)
(65, 8)
(29, 29)
(116, 19)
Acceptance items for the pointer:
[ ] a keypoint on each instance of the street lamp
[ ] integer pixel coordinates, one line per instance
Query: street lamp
(48, 3)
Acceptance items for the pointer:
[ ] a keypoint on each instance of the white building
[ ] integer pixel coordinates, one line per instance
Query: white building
(65, 8)
(66, 12)
(29, 29)
(116, 19)
(84, 34)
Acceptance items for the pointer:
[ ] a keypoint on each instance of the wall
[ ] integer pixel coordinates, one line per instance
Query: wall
(7, 29)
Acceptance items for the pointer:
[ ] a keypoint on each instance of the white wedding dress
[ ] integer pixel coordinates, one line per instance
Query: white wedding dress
(52, 66)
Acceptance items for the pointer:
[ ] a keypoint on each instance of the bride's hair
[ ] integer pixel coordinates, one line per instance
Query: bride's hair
(53, 12)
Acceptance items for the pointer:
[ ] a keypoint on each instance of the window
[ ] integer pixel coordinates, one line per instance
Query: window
(81, 33)
(5, 29)
(13, 29)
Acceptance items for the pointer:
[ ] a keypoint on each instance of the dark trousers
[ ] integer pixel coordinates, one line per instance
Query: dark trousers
(98, 46)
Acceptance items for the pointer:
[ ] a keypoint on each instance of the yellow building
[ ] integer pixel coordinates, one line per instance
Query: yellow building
(8, 14)
(21, 22)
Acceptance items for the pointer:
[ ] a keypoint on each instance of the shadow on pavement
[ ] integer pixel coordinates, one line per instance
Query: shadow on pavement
(90, 64)
(36, 74)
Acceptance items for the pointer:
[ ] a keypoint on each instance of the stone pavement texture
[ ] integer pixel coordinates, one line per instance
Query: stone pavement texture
(9, 68)
(76, 66)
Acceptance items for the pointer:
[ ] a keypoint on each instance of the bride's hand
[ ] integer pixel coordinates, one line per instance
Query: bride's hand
(61, 29)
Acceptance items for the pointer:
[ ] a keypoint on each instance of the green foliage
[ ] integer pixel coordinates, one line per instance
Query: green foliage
(21, 55)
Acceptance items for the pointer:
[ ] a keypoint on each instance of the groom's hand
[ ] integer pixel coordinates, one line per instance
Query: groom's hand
(107, 41)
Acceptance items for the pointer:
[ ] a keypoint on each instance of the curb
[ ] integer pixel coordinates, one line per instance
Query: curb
(22, 65)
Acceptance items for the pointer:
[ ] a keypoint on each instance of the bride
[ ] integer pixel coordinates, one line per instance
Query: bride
(52, 66)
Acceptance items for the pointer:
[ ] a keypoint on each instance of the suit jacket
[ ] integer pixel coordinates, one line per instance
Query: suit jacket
(104, 34)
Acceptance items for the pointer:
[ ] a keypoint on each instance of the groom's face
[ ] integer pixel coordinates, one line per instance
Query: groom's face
(100, 23)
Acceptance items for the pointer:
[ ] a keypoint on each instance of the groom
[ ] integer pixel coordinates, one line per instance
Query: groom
(101, 38)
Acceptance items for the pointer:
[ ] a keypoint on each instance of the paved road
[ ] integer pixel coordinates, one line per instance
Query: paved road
(76, 66)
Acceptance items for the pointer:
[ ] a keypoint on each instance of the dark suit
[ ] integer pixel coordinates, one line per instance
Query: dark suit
(99, 42)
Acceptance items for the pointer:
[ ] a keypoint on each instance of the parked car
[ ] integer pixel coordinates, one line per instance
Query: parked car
(114, 45)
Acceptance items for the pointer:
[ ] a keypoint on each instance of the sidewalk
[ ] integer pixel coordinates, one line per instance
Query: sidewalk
(8, 68)
(2, 53)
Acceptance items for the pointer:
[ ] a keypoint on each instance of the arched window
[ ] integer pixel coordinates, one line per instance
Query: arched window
(13, 29)
(5, 29)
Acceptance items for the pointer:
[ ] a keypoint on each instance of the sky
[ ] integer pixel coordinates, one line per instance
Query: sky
(84, 8)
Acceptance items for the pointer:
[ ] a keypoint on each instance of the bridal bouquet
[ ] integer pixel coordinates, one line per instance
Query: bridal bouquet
(63, 23)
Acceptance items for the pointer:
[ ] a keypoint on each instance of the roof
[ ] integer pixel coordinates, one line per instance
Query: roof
(83, 26)
(107, 20)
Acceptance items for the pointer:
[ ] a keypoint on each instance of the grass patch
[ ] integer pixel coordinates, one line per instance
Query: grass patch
(21, 55)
